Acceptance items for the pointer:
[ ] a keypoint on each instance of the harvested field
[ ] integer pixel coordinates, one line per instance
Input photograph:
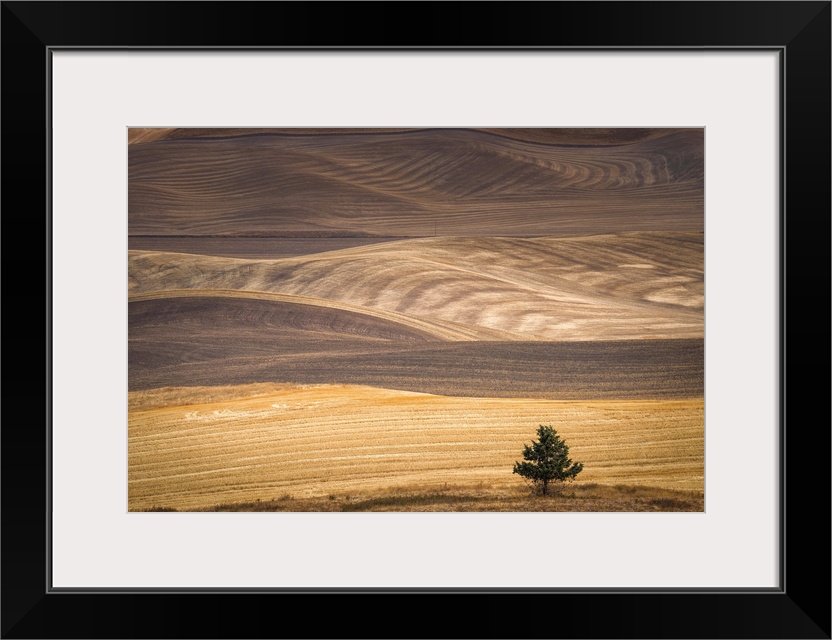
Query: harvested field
(609, 287)
(196, 448)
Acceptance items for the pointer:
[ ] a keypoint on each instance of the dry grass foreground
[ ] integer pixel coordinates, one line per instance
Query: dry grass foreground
(197, 448)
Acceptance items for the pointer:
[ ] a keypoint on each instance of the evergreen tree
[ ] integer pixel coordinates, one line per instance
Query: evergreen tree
(547, 460)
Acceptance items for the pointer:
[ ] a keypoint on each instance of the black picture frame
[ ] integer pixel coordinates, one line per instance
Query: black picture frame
(799, 608)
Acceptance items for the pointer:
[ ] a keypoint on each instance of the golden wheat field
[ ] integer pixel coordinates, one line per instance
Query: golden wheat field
(380, 319)
(196, 447)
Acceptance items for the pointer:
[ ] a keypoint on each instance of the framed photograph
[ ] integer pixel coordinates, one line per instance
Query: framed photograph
(494, 317)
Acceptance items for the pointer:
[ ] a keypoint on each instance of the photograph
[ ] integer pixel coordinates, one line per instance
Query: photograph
(416, 319)
(374, 318)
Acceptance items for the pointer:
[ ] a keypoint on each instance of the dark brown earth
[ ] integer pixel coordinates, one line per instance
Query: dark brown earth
(418, 182)
(193, 341)
(250, 248)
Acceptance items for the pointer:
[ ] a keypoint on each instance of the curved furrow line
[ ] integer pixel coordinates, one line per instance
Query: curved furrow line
(585, 167)
(553, 286)
(407, 175)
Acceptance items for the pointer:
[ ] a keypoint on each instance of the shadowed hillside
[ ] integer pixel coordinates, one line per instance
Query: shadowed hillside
(199, 342)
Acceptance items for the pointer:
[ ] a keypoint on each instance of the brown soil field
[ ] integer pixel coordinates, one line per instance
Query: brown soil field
(450, 182)
(226, 341)
(259, 248)
(310, 314)
(552, 135)
(607, 287)
(196, 448)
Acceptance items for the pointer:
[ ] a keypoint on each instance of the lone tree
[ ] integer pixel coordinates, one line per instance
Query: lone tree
(547, 459)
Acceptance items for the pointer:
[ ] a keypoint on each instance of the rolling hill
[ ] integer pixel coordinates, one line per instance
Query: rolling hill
(415, 182)
(616, 287)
